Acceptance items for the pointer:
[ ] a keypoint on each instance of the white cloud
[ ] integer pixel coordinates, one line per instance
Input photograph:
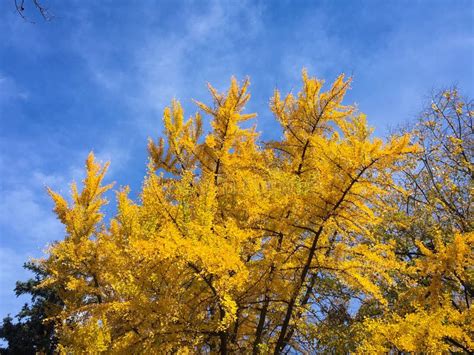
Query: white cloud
(146, 74)
(27, 216)
(10, 271)
(117, 153)
(9, 90)
(27, 222)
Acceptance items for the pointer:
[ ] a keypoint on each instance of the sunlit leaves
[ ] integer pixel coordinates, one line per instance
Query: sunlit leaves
(235, 244)
(431, 222)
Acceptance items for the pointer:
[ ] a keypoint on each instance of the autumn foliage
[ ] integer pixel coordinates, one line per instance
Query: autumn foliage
(327, 240)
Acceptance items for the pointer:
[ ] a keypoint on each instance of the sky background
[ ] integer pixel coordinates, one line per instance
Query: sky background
(98, 76)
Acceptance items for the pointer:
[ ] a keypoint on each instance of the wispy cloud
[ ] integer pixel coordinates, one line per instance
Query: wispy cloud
(10, 271)
(26, 222)
(10, 90)
(201, 46)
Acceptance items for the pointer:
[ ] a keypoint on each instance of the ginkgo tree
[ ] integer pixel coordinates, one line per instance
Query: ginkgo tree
(241, 246)
(431, 221)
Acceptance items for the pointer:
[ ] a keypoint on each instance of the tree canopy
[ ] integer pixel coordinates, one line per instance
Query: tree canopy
(326, 240)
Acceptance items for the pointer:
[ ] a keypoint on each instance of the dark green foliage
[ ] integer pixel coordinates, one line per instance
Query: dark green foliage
(30, 333)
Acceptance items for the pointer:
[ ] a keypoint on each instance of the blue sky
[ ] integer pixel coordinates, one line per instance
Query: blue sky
(98, 76)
